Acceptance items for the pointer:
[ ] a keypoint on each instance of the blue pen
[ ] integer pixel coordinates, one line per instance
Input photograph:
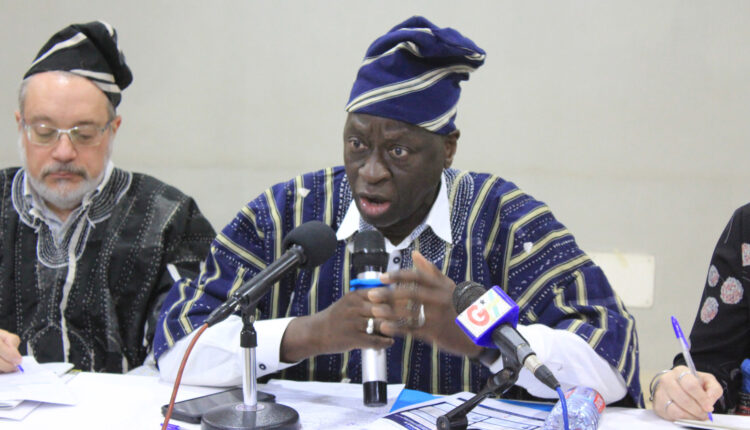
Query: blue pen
(20, 369)
(686, 352)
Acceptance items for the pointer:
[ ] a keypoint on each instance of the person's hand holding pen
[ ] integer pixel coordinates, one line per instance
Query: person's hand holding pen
(683, 392)
(10, 358)
(680, 395)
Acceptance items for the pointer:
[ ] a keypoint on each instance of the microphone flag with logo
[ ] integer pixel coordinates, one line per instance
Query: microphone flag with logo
(485, 314)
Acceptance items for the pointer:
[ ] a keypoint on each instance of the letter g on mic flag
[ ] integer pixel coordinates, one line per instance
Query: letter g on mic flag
(490, 310)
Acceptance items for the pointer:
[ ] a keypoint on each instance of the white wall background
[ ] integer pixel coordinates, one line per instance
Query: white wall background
(629, 118)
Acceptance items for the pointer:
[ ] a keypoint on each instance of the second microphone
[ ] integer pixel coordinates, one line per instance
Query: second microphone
(369, 261)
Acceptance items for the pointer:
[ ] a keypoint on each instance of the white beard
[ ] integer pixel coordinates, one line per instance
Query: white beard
(65, 197)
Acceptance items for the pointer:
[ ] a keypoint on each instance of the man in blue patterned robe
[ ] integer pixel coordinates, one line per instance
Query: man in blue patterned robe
(449, 225)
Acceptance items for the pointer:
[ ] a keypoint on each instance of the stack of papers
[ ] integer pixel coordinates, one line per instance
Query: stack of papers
(21, 392)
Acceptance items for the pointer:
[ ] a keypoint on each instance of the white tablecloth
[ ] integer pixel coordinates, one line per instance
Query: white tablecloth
(110, 402)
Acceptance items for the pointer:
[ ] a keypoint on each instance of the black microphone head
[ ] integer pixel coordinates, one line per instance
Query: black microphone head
(465, 294)
(369, 252)
(317, 240)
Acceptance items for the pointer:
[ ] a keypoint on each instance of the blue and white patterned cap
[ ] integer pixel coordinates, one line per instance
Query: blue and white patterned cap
(412, 74)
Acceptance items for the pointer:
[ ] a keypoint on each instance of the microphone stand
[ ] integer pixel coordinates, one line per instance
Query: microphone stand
(250, 413)
(497, 384)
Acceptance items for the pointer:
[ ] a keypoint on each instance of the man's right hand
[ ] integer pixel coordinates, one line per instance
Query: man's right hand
(680, 395)
(338, 328)
(10, 358)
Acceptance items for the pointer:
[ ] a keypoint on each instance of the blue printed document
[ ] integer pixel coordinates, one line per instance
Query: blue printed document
(491, 414)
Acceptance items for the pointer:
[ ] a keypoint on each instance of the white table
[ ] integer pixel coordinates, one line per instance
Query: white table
(108, 401)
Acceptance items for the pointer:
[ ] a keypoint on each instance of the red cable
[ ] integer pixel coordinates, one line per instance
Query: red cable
(168, 415)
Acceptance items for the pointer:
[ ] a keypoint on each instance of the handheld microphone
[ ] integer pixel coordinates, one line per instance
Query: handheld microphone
(489, 318)
(307, 246)
(369, 260)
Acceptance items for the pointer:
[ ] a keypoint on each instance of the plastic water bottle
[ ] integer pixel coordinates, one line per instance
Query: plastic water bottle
(585, 406)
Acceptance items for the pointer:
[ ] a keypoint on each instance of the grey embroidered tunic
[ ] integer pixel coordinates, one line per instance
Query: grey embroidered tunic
(91, 292)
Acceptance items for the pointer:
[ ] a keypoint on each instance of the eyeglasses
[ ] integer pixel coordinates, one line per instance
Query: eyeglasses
(80, 135)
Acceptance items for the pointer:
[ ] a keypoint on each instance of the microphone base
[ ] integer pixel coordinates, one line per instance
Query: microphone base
(375, 393)
(238, 416)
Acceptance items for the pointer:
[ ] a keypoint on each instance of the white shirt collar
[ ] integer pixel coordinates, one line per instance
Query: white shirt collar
(438, 219)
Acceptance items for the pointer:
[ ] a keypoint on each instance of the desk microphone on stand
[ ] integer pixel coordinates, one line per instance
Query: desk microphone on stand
(307, 246)
(489, 318)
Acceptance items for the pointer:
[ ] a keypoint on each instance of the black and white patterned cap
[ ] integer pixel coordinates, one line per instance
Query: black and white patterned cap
(89, 50)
